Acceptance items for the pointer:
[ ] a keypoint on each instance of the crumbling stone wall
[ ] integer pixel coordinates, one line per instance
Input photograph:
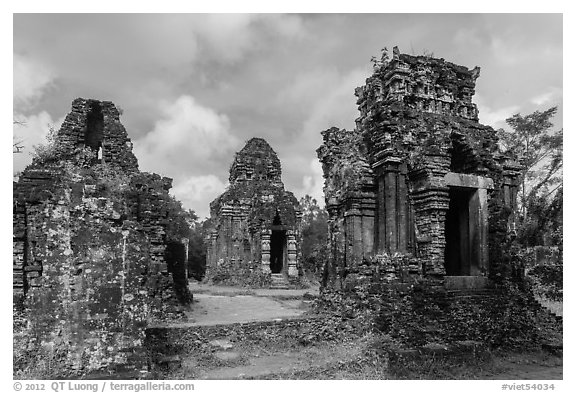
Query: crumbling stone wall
(96, 125)
(417, 140)
(350, 198)
(90, 266)
(247, 216)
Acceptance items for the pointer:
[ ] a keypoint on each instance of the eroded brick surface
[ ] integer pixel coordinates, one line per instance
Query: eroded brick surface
(90, 266)
(255, 221)
(418, 148)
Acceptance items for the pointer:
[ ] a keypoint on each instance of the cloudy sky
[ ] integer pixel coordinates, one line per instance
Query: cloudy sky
(194, 88)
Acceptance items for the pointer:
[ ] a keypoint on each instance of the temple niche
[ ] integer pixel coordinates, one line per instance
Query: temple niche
(419, 176)
(255, 224)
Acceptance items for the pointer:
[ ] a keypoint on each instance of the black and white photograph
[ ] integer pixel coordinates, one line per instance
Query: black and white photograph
(287, 196)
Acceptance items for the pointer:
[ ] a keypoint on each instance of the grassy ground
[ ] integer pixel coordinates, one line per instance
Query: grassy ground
(556, 307)
(308, 347)
(357, 358)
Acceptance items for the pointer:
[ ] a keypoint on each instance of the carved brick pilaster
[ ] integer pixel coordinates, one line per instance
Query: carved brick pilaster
(292, 254)
(266, 250)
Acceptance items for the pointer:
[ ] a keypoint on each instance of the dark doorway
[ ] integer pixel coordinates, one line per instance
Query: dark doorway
(457, 254)
(277, 247)
(175, 256)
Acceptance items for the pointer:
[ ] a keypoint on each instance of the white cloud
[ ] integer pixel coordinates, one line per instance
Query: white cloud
(328, 99)
(227, 36)
(290, 26)
(30, 80)
(314, 182)
(187, 142)
(496, 118)
(189, 138)
(337, 107)
(196, 192)
(327, 96)
(231, 36)
(468, 36)
(31, 131)
(548, 97)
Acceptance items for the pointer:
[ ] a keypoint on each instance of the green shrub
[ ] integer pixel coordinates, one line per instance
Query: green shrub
(547, 280)
(239, 276)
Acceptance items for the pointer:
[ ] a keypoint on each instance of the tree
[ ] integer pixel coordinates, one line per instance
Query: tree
(197, 250)
(314, 234)
(540, 153)
(543, 223)
(17, 144)
(180, 220)
(378, 64)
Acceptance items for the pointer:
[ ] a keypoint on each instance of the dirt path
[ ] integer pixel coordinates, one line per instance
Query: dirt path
(225, 305)
(210, 310)
(530, 372)
(226, 357)
(261, 365)
(199, 288)
(527, 367)
(215, 305)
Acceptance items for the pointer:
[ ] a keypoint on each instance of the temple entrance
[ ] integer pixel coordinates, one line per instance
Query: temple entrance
(277, 251)
(457, 254)
(466, 225)
(175, 256)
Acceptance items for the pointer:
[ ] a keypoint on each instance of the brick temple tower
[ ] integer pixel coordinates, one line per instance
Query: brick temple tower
(97, 254)
(419, 175)
(255, 223)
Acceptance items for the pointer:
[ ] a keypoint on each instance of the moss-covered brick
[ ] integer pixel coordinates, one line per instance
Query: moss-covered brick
(90, 230)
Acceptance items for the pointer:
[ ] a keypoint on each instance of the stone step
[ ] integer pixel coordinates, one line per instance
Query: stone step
(557, 317)
(472, 295)
(468, 293)
(467, 282)
(279, 281)
(554, 347)
(279, 286)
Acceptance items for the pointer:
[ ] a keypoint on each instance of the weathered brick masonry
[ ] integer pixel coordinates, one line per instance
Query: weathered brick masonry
(255, 224)
(419, 175)
(90, 263)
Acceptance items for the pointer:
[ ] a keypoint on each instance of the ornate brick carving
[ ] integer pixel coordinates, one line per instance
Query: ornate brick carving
(256, 211)
(390, 182)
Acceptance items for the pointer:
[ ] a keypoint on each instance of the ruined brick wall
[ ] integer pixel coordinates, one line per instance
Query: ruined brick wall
(90, 267)
(419, 132)
(96, 125)
(244, 216)
(350, 199)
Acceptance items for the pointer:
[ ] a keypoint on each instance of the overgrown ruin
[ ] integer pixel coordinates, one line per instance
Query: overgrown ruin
(419, 184)
(97, 251)
(255, 223)
(422, 264)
